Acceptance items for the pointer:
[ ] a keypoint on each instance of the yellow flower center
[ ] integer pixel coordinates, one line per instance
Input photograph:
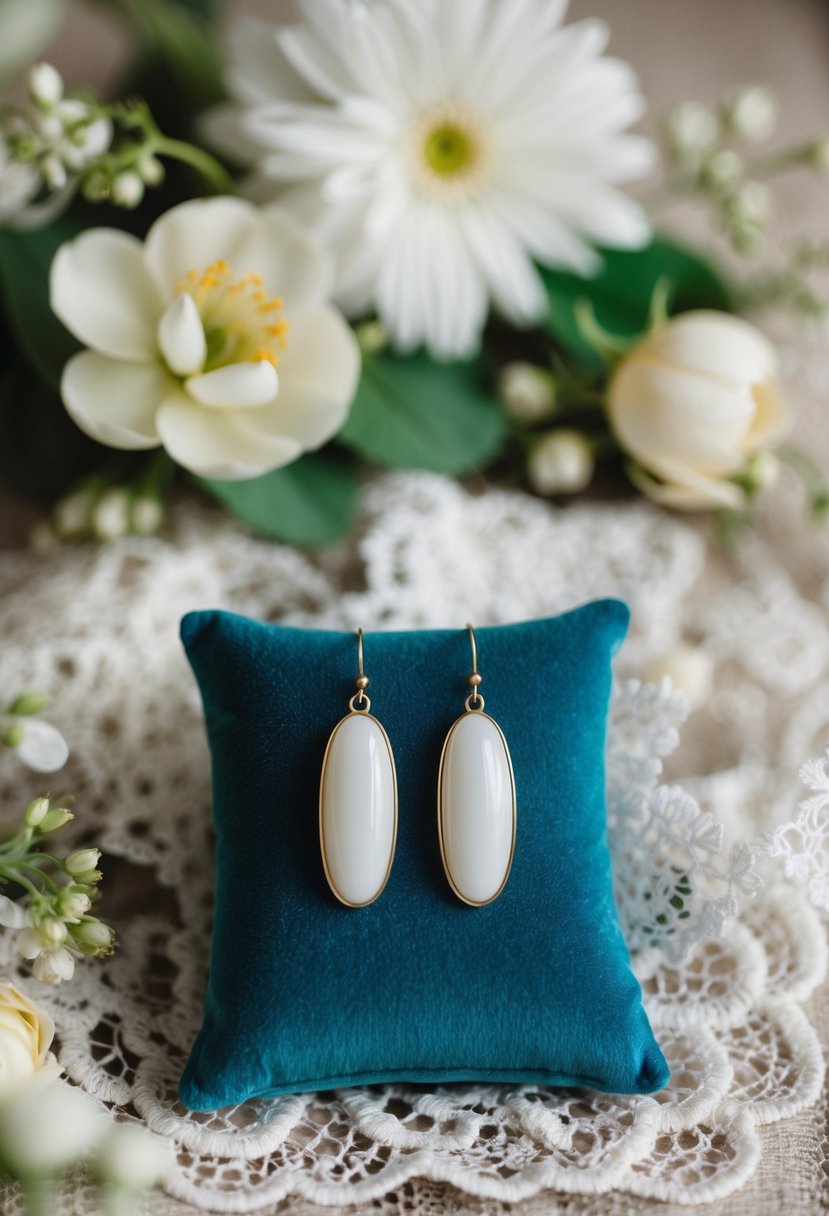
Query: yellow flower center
(449, 154)
(242, 323)
(448, 149)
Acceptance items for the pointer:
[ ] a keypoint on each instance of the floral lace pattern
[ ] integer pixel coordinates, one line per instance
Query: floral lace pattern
(725, 975)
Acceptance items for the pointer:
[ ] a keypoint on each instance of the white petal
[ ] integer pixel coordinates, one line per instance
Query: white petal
(12, 915)
(43, 747)
(101, 291)
(510, 276)
(28, 944)
(219, 443)
(181, 337)
(236, 385)
(115, 401)
(195, 234)
(291, 261)
(319, 372)
(687, 490)
(259, 70)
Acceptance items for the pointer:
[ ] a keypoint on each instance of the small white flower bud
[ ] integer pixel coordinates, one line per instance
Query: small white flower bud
(560, 463)
(146, 514)
(689, 669)
(760, 472)
(93, 937)
(723, 168)
(96, 187)
(692, 130)
(127, 189)
(752, 204)
(110, 515)
(151, 170)
(751, 113)
(52, 931)
(82, 860)
(71, 516)
(45, 84)
(73, 904)
(36, 812)
(53, 172)
(56, 819)
(372, 337)
(527, 392)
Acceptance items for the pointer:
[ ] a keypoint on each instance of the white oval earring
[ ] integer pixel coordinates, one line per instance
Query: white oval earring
(358, 802)
(476, 801)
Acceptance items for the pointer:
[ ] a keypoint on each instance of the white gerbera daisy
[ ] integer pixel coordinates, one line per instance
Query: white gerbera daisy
(440, 147)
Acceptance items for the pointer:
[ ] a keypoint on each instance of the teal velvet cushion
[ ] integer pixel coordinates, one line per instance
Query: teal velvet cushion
(305, 994)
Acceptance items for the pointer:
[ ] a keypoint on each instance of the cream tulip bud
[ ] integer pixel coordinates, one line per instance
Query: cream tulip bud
(560, 463)
(751, 113)
(45, 84)
(692, 403)
(82, 860)
(527, 392)
(689, 669)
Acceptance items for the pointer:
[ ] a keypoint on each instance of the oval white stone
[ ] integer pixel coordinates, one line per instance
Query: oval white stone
(358, 809)
(476, 808)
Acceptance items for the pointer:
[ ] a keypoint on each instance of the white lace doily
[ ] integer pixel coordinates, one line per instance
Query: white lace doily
(98, 628)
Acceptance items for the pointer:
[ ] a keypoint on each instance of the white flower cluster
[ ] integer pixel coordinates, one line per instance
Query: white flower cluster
(45, 148)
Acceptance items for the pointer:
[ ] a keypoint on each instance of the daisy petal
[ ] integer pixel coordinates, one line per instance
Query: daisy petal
(43, 748)
(100, 290)
(220, 444)
(259, 71)
(237, 385)
(114, 401)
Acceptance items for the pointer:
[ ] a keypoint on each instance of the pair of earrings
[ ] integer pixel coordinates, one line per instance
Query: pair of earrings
(358, 801)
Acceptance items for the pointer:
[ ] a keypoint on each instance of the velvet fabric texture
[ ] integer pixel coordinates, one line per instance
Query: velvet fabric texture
(305, 994)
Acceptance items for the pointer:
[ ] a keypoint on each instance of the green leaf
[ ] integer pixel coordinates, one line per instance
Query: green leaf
(41, 449)
(621, 293)
(417, 414)
(309, 502)
(25, 258)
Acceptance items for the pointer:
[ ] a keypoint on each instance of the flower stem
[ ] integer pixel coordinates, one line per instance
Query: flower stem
(204, 164)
